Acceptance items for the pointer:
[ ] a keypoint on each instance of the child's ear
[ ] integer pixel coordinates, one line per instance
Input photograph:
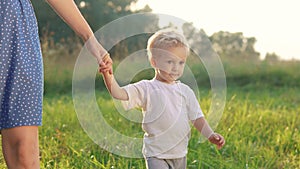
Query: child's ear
(153, 63)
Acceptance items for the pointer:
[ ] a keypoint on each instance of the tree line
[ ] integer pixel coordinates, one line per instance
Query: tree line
(233, 46)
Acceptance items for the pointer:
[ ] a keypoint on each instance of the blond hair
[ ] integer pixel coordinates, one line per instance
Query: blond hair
(165, 39)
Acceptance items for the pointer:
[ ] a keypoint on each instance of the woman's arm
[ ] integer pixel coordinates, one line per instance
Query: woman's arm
(69, 12)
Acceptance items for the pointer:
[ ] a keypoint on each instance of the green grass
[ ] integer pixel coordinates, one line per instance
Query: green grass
(261, 130)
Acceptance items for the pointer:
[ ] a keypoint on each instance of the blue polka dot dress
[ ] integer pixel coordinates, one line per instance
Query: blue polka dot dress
(21, 66)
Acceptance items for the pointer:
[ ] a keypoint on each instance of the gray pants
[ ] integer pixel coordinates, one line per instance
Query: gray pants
(156, 163)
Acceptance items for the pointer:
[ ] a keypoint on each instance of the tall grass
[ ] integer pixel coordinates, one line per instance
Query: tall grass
(59, 64)
(261, 131)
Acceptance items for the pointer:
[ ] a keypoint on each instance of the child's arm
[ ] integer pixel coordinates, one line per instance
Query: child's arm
(111, 84)
(202, 126)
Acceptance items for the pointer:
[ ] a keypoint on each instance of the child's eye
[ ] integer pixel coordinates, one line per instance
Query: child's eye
(169, 61)
(181, 63)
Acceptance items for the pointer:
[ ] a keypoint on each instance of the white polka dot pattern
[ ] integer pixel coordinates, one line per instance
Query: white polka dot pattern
(21, 66)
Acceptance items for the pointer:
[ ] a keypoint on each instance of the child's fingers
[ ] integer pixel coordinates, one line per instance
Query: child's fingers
(216, 137)
(221, 143)
(104, 70)
(218, 140)
(110, 71)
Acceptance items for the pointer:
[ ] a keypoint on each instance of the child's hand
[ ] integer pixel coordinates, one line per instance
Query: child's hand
(217, 139)
(106, 64)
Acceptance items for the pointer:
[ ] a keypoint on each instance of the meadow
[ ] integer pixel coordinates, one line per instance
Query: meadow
(260, 122)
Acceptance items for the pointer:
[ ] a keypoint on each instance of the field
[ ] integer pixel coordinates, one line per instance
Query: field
(260, 123)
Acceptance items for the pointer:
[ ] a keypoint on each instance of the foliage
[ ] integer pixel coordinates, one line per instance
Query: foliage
(54, 32)
(235, 46)
(271, 58)
(96, 12)
(198, 40)
(230, 46)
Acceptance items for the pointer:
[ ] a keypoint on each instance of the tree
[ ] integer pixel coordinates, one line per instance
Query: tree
(271, 57)
(198, 40)
(227, 45)
(96, 12)
(234, 46)
(54, 32)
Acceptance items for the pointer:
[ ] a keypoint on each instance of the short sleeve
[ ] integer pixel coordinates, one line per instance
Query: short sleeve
(136, 94)
(193, 107)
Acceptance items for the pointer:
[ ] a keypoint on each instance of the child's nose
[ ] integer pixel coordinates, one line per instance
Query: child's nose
(175, 67)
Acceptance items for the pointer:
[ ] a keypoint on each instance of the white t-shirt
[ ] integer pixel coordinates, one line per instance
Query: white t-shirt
(167, 110)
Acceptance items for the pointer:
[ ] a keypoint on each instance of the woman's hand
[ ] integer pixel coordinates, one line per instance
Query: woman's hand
(96, 49)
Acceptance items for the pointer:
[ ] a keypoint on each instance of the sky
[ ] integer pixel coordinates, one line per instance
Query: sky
(274, 23)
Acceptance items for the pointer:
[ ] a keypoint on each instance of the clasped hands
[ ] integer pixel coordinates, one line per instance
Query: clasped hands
(99, 52)
(105, 65)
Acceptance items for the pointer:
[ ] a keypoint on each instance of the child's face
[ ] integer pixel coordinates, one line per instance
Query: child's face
(169, 64)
